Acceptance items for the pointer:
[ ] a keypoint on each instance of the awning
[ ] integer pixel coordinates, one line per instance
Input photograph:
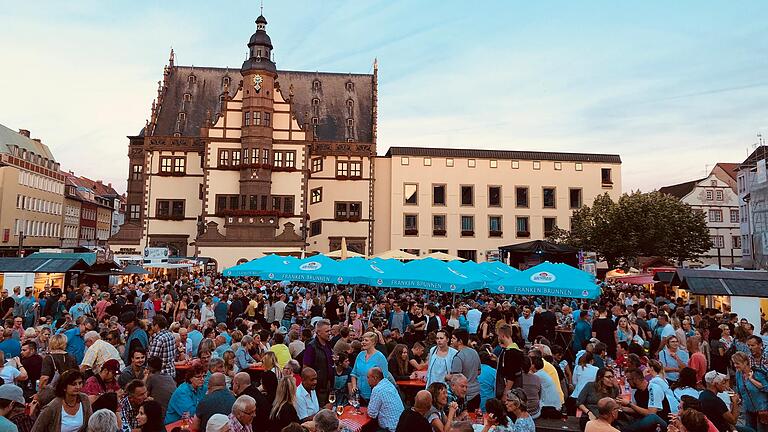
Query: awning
(664, 276)
(88, 257)
(637, 279)
(41, 265)
(741, 283)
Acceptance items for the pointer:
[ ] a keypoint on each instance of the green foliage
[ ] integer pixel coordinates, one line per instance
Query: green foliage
(639, 224)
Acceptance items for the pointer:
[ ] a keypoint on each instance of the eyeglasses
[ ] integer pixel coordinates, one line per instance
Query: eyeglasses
(608, 376)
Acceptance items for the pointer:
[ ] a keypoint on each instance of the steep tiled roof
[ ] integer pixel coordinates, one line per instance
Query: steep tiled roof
(98, 187)
(332, 95)
(680, 190)
(502, 154)
(11, 137)
(732, 169)
(757, 154)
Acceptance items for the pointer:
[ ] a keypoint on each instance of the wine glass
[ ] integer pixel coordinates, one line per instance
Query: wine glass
(332, 397)
(339, 410)
(355, 402)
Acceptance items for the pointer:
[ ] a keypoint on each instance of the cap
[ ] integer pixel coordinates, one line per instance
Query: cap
(594, 340)
(713, 377)
(12, 392)
(386, 333)
(216, 423)
(112, 365)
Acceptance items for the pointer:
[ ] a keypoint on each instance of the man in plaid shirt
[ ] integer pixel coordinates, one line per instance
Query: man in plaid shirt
(163, 345)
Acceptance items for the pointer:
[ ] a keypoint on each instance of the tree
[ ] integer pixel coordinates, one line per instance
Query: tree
(639, 224)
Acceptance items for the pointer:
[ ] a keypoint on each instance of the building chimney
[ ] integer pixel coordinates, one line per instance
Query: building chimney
(109, 184)
(24, 132)
(36, 139)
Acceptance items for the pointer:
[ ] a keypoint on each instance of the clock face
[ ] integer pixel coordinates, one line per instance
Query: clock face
(257, 80)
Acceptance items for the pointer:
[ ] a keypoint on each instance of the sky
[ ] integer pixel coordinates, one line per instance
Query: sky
(672, 87)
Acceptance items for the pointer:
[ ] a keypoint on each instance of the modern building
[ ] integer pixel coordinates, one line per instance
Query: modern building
(717, 197)
(752, 189)
(236, 163)
(31, 194)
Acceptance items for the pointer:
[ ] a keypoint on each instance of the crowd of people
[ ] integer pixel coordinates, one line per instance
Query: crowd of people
(266, 356)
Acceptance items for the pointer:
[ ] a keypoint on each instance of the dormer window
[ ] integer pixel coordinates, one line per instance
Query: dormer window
(316, 85)
(192, 79)
(350, 86)
(187, 97)
(225, 81)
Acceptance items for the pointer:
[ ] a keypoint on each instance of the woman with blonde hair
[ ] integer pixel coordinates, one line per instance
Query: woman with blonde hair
(283, 412)
(57, 361)
(368, 358)
(269, 363)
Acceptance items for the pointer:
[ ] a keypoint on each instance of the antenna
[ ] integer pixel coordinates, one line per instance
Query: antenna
(261, 9)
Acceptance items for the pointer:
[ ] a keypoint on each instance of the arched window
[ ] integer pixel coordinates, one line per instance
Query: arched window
(182, 116)
(350, 86)
(187, 97)
(315, 102)
(316, 84)
(192, 79)
(225, 81)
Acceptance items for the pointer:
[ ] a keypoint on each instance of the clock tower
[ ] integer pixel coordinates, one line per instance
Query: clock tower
(259, 75)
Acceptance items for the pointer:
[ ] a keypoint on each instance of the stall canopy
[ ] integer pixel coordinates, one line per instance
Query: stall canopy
(549, 279)
(88, 257)
(133, 269)
(318, 269)
(539, 250)
(637, 279)
(41, 265)
(742, 283)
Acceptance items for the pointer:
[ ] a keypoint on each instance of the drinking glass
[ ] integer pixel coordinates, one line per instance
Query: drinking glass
(340, 410)
(332, 398)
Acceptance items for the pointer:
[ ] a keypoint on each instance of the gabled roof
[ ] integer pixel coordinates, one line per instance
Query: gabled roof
(680, 190)
(41, 265)
(11, 137)
(760, 152)
(332, 95)
(98, 187)
(502, 154)
(732, 169)
(88, 257)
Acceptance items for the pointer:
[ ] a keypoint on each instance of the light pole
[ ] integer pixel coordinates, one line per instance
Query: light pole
(21, 243)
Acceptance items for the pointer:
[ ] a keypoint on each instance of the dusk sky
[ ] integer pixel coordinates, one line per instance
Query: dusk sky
(673, 87)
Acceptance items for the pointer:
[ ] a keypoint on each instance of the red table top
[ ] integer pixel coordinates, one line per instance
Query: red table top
(352, 421)
(169, 427)
(184, 366)
(412, 383)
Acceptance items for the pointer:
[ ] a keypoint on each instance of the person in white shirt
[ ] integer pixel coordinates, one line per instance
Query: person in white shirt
(473, 319)
(526, 322)
(307, 404)
(550, 397)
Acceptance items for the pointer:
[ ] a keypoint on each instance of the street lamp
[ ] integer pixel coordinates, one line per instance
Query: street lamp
(21, 243)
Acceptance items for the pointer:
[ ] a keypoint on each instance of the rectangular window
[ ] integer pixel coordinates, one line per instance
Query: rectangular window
(438, 195)
(427, 161)
(166, 164)
(355, 169)
(449, 162)
(521, 197)
(290, 159)
(471, 163)
(410, 225)
(548, 197)
(515, 164)
(342, 168)
(316, 195)
(523, 229)
(411, 193)
(736, 242)
(136, 172)
(265, 156)
(574, 199)
(221, 203)
(163, 209)
(469, 255)
(247, 118)
(267, 118)
(134, 211)
(718, 242)
(288, 207)
(223, 158)
(278, 159)
(254, 156)
(315, 228)
(256, 118)
(709, 194)
(734, 216)
(494, 226)
(719, 194)
(253, 202)
(355, 210)
(246, 161)
(404, 160)
(467, 195)
(715, 215)
(467, 226)
(438, 225)
(317, 164)
(177, 209)
(494, 196)
(558, 166)
(550, 224)
(579, 166)
(236, 158)
(605, 176)
(348, 210)
(537, 165)
(180, 164)
(493, 163)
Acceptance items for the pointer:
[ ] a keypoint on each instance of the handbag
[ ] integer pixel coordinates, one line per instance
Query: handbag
(762, 415)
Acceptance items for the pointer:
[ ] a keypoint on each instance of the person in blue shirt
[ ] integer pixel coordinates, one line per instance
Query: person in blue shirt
(137, 337)
(194, 337)
(220, 310)
(368, 358)
(487, 377)
(187, 396)
(582, 332)
(10, 345)
(75, 341)
(80, 308)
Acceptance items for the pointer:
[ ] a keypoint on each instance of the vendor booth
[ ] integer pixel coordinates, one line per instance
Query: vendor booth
(529, 254)
(41, 273)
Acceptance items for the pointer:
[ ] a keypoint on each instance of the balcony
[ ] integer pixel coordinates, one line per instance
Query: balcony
(523, 234)
(467, 233)
(411, 232)
(438, 233)
(493, 233)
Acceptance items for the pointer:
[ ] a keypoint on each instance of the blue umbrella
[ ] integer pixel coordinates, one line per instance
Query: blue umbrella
(475, 270)
(256, 266)
(548, 279)
(499, 268)
(318, 269)
(435, 275)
